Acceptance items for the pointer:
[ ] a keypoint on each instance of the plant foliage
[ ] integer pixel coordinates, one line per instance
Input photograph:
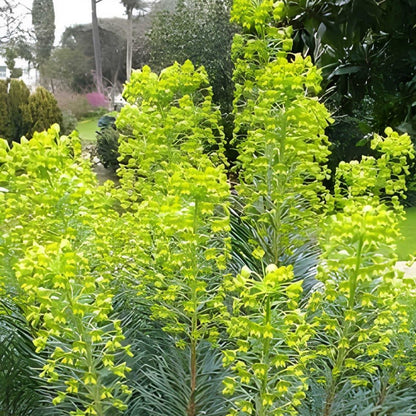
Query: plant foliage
(160, 294)
(44, 110)
(170, 125)
(201, 32)
(23, 112)
(52, 265)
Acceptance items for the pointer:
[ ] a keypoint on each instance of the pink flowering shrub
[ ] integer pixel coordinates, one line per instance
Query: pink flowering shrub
(96, 99)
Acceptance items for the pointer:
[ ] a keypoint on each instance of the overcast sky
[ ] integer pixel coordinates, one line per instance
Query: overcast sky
(71, 12)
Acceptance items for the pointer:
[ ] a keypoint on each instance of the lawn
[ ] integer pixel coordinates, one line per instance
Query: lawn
(407, 246)
(87, 128)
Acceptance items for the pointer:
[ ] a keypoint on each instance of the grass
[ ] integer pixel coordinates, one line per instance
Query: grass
(87, 128)
(407, 246)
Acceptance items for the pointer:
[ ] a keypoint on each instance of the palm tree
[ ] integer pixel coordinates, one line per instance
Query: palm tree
(97, 47)
(131, 5)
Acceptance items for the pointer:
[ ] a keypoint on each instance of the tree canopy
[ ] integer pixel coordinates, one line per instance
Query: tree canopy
(130, 6)
(43, 20)
(366, 50)
(198, 30)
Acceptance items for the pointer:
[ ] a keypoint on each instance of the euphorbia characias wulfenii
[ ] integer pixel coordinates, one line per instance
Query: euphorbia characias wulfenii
(279, 132)
(361, 311)
(271, 337)
(163, 235)
(54, 249)
(282, 155)
(174, 188)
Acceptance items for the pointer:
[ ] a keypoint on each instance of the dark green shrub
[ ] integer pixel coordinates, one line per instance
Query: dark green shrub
(20, 119)
(16, 73)
(4, 110)
(107, 142)
(69, 122)
(21, 114)
(44, 110)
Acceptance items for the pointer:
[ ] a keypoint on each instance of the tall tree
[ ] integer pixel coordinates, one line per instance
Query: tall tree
(43, 20)
(97, 47)
(77, 40)
(130, 6)
(199, 30)
(13, 35)
(11, 15)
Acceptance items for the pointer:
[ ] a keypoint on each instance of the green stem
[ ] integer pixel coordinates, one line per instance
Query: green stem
(281, 189)
(191, 409)
(266, 358)
(342, 351)
(94, 390)
(353, 281)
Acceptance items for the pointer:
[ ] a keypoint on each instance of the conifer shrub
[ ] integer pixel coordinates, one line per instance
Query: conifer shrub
(20, 119)
(22, 113)
(44, 110)
(4, 109)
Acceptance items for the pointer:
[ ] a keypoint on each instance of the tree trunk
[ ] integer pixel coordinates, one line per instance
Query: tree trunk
(113, 88)
(129, 47)
(97, 47)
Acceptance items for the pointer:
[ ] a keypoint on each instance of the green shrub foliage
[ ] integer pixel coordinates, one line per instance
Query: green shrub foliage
(107, 142)
(44, 110)
(199, 31)
(24, 113)
(345, 332)
(19, 115)
(106, 281)
(69, 122)
(279, 134)
(4, 109)
(173, 168)
(53, 256)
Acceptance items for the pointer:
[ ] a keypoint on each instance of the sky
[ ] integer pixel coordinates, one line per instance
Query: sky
(71, 12)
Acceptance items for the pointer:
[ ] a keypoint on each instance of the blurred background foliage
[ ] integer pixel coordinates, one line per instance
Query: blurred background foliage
(366, 50)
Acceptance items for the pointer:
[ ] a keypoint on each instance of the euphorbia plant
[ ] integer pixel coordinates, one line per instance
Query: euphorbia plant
(174, 188)
(282, 154)
(54, 250)
(279, 133)
(355, 305)
(65, 249)
(361, 310)
(271, 337)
